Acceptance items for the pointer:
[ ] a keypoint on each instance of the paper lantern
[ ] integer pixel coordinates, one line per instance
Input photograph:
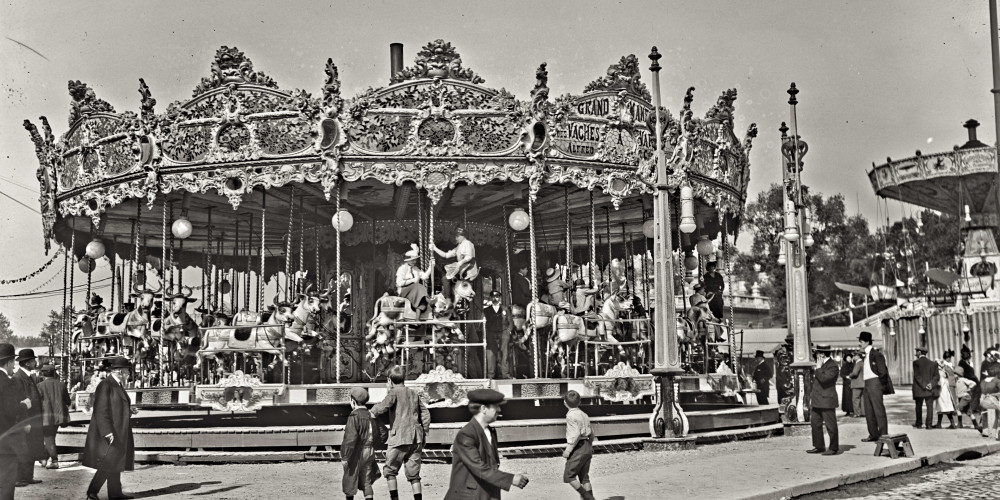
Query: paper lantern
(181, 228)
(705, 246)
(86, 264)
(343, 220)
(95, 249)
(791, 224)
(648, 227)
(225, 287)
(781, 253)
(691, 263)
(518, 220)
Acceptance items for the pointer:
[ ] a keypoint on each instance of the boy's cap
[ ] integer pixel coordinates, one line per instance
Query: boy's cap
(359, 395)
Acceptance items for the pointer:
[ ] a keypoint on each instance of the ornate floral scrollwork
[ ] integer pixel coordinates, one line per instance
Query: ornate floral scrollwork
(435, 177)
(48, 158)
(85, 102)
(232, 66)
(437, 59)
(624, 75)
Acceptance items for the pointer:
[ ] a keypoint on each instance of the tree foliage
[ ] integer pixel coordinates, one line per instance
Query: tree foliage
(6, 333)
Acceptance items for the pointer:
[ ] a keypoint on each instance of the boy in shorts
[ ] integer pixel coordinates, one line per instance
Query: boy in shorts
(410, 422)
(578, 447)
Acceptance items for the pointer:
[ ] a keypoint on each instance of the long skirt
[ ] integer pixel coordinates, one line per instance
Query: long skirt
(846, 402)
(945, 403)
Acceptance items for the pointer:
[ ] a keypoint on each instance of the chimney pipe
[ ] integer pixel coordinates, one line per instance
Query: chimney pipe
(971, 125)
(395, 60)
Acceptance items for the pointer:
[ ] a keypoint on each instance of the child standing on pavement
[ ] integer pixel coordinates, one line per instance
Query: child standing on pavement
(578, 447)
(357, 450)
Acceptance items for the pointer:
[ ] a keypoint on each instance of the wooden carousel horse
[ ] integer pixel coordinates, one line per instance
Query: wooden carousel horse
(445, 331)
(383, 333)
(605, 325)
(567, 332)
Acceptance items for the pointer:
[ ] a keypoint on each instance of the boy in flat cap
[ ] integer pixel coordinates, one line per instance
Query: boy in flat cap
(358, 448)
(579, 449)
(410, 423)
(475, 465)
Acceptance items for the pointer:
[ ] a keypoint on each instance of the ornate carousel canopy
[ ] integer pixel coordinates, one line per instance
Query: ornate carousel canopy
(243, 142)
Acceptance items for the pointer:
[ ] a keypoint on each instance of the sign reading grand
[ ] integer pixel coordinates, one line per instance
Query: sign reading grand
(584, 132)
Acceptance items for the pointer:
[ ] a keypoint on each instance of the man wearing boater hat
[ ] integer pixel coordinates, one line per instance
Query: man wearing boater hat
(877, 383)
(926, 386)
(34, 447)
(823, 402)
(13, 405)
(475, 463)
(110, 447)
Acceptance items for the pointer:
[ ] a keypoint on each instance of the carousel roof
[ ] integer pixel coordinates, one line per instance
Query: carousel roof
(436, 127)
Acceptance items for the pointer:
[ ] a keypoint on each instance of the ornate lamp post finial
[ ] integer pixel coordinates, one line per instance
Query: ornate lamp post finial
(654, 55)
(792, 91)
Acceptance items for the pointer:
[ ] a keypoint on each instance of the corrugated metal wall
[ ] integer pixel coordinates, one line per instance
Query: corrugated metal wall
(943, 331)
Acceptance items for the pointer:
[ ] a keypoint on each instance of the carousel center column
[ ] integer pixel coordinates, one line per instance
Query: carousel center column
(668, 419)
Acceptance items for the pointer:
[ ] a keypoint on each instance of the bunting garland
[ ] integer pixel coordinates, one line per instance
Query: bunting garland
(36, 273)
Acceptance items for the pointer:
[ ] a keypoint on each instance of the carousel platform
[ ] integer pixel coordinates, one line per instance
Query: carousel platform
(310, 418)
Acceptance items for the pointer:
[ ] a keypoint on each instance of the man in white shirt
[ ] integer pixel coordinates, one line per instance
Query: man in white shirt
(877, 383)
(464, 267)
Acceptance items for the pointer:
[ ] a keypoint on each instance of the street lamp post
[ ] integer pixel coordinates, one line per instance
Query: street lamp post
(668, 418)
(793, 148)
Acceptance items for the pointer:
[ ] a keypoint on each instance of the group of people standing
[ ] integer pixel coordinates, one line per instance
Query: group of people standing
(32, 408)
(954, 389)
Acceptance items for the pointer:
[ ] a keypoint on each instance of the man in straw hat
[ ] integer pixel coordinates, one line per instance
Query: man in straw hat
(475, 464)
(110, 447)
(877, 383)
(823, 402)
(13, 405)
(411, 282)
(34, 448)
(464, 267)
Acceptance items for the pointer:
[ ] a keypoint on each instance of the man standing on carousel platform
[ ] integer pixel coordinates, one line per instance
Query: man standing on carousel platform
(464, 267)
(34, 440)
(13, 405)
(498, 327)
(475, 463)
(411, 282)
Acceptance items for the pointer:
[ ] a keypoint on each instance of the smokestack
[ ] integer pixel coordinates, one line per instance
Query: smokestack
(395, 60)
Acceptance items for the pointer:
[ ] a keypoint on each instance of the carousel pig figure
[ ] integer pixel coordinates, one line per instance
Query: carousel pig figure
(383, 333)
(567, 331)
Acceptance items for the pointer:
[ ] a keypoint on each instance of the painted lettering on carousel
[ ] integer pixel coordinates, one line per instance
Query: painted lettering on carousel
(582, 138)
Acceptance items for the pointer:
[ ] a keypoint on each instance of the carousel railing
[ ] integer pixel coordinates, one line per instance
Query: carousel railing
(407, 345)
(247, 358)
(600, 345)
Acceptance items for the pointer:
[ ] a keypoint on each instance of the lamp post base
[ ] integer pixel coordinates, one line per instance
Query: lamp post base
(668, 419)
(796, 411)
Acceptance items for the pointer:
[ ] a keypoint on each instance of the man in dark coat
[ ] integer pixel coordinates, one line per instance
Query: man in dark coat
(926, 386)
(475, 463)
(110, 447)
(846, 367)
(762, 377)
(13, 405)
(714, 285)
(823, 402)
(520, 287)
(34, 447)
(358, 448)
(498, 326)
(877, 383)
(55, 411)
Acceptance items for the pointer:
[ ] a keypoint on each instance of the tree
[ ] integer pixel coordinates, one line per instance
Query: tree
(53, 328)
(842, 252)
(6, 334)
(907, 248)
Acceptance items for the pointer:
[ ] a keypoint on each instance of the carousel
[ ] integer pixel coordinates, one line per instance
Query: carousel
(271, 250)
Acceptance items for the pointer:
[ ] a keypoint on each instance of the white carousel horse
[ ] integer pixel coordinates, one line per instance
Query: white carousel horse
(463, 295)
(604, 325)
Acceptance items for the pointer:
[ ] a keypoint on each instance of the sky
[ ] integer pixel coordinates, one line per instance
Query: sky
(876, 79)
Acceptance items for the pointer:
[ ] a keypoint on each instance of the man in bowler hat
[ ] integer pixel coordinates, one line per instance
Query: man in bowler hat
(475, 464)
(34, 447)
(13, 405)
(823, 402)
(877, 383)
(926, 386)
(762, 377)
(109, 447)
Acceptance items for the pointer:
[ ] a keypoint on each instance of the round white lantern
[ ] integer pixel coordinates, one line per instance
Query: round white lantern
(343, 220)
(95, 249)
(648, 228)
(705, 246)
(181, 228)
(518, 220)
(86, 264)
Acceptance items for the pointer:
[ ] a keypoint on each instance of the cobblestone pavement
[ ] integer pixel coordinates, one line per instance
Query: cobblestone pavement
(979, 479)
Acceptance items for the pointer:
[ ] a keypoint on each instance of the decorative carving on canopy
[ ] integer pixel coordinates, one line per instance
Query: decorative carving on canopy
(624, 75)
(437, 59)
(232, 66)
(48, 157)
(85, 102)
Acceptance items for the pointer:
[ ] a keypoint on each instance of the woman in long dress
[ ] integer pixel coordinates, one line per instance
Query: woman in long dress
(945, 401)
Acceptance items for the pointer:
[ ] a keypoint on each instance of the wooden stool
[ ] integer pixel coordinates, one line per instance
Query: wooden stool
(897, 443)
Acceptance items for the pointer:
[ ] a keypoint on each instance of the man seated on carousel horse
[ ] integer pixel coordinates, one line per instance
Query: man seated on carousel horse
(411, 281)
(464, 267)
